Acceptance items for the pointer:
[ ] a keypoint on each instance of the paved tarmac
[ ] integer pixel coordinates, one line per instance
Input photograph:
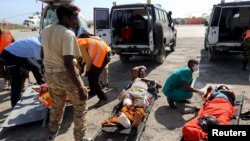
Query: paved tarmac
(164, 124)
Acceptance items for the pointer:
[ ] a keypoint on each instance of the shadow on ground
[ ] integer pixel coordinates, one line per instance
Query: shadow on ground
(221, 70)
(171, 118)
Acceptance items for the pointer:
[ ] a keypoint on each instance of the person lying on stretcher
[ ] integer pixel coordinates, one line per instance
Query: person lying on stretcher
(218, 108)
(135, 100)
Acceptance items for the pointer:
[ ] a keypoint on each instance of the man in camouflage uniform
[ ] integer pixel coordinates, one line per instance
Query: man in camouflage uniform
(60, 48)
(246, 49)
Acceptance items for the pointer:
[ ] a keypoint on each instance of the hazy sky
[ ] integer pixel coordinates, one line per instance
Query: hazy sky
(16, 11)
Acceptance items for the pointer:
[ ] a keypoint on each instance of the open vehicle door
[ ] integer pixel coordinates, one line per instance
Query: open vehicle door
(102, 24)
(213, 31)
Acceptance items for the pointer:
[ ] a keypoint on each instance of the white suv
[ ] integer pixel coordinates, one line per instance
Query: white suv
(136, 29)
(226, 27)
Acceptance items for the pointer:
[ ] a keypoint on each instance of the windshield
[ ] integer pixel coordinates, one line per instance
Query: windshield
(83, 22)
(50, 17)
(125, 16)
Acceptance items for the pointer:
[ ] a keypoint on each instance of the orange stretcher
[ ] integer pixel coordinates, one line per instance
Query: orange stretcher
(219, 108)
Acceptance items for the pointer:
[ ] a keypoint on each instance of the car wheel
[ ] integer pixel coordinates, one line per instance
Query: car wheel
(158, 36)
(211, 54)
(124, 58)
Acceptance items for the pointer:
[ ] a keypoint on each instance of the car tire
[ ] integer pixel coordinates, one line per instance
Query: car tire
(211, 54)
(124, 58)
(158, 36)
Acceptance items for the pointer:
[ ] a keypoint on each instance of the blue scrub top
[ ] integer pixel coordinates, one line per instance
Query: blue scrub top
(219, 94)
(175, 80)
(173, 87)
(26, 48)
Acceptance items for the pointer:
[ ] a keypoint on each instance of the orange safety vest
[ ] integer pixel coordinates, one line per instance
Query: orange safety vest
(97, 50)
(5, 39)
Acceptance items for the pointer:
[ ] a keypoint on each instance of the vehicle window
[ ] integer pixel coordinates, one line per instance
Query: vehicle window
(157, 16)
(82, 21)
(244, 15)
(102, 20)
(149, 14)
(162, 16)
(216, 16)
(50, 17)
(126, 17)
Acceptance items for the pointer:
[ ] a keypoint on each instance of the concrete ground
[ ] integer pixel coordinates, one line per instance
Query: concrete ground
(163, 123)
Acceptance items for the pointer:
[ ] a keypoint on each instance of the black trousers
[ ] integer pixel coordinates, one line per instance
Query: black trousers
(14, 65)
(93, 77)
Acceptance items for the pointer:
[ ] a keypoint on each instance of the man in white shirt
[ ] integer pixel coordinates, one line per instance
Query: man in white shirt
(60, 48)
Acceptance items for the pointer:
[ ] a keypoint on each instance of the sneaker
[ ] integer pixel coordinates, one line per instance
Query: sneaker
(52, 135)
(171, 103)
(100, 103)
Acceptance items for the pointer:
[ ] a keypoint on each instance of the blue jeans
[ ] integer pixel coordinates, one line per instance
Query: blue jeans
(14, 65)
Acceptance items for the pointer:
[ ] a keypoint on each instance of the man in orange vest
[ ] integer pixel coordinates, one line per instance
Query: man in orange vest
(6, 38)
(246, 48)
(96, 55)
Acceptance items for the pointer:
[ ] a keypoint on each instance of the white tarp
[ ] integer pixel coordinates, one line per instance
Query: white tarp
(28, 109)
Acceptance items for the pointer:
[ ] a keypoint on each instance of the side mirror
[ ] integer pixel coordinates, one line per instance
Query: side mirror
(170, 13)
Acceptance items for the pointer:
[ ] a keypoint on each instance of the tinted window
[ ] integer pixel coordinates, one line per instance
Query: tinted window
(157, 16)
(50, 17)
(166, 18)
(125, 17)
(83, 22)
(162, 16)
(216, 16)
(102, 19)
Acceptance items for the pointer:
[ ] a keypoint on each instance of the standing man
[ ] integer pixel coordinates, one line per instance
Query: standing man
(96, 54)
(178, 85)
(60, 48)
(6, 38)
(23, 53)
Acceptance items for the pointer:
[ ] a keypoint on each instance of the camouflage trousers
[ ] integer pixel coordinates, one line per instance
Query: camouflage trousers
(61, 85)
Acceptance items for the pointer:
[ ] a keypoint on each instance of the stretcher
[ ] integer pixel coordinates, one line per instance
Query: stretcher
(134, 132)
(33, 106)
(27, 110)
(236, 117)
